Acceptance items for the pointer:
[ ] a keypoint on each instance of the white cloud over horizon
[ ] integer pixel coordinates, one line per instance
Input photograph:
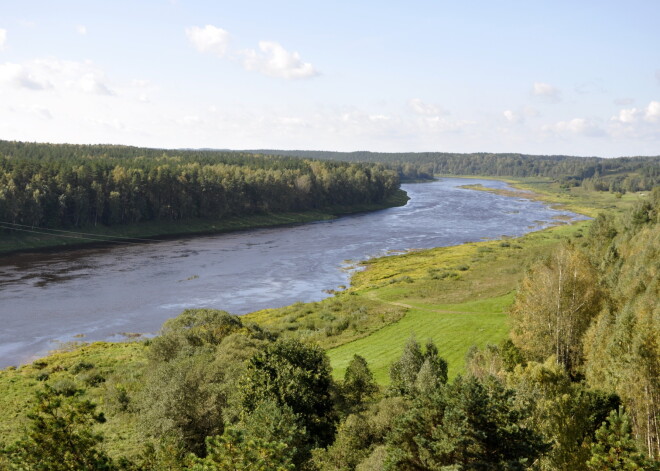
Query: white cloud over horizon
(270, 59)
(51, 73)
(426, 109)
(577, 126)
(649, 114)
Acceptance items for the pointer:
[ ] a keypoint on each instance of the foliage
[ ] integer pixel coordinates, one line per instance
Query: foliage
(416, 372)
(554, 306)
(565, 412)
(234, 451)
(622, 347)
(71, 186)
(595, 174)
(267, 439)
(189, 382)
(359, 383)
(60, 435)
(361, 437)
(469, 425)
(614, 448)
(297, 376)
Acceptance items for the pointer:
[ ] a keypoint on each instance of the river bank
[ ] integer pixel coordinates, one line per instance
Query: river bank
(28, 239)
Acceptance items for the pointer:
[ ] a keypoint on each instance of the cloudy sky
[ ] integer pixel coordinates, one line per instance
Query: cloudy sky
(542, 77)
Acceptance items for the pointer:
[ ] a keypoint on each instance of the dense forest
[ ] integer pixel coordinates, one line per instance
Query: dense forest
(72, 186)
(575, 387)
(594, 173)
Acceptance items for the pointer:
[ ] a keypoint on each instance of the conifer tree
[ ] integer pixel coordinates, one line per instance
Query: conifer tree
(614, 448)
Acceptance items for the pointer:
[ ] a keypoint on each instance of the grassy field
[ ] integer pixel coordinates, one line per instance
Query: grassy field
(101, 368)
(121, 234)
(456, 296)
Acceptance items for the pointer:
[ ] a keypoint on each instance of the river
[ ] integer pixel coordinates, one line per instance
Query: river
(103, 293)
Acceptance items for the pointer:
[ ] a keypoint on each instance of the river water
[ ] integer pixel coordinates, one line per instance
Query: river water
(102, 293)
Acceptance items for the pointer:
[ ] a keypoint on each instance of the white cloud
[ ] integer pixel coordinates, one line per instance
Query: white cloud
(3, 38)
(547, 92)
(652, 113)
(209, 39)
(629, 115)
(520, 115)
(439, 124)
(637, 124)
(576, 126)
(92, 83)
(378, 117)
(81, 29)
(20, 76)
(275, 61)
(511, 116)
(270, 59)
(44, 74)
(426, 109)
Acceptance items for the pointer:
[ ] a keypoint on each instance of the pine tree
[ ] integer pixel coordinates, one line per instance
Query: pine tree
(60, 435)
(615, 447)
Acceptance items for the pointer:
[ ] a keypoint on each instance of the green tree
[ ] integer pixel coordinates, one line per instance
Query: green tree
(297, 376)
(359, 383)
(405, 376)
(615, 448)
(466, 425)
(60, 436)
(565, 412)
(360, 436)
(554, 306)
(265, 440)
(234, 451)
(194, 366)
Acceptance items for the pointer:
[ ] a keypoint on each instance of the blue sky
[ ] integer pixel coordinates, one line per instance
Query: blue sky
(541, 77)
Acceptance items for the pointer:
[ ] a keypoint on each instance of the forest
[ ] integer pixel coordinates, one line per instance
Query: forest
(76, 186)
(594, 173)
(575, 386)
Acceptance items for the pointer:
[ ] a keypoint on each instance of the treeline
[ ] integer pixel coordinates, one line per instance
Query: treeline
(617, 174)
(71, 186)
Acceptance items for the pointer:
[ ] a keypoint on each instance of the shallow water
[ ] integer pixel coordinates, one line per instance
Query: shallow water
(101, 293)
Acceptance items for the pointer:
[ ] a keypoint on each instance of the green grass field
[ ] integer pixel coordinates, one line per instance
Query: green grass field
(454, 328)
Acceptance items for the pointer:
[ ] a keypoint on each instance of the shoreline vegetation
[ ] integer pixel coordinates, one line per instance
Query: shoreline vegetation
(90, 236)
(456, 299)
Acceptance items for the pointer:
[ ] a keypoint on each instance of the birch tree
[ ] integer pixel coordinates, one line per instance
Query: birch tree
(554, 306)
